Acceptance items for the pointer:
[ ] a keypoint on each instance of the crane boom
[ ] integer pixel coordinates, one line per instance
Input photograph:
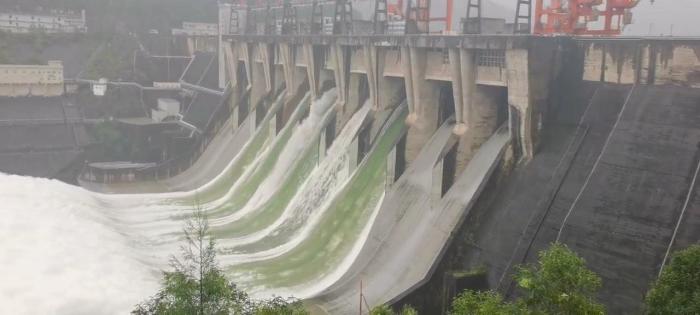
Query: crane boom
(577, 16)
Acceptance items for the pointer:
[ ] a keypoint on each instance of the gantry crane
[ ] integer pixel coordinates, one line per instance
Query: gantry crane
(577, 16)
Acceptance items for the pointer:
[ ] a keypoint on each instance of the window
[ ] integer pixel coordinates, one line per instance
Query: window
(491, 58)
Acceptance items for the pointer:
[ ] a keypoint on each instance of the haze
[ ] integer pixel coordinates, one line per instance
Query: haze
(663, 17)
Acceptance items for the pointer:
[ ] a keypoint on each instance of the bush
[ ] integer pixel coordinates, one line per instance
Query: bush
(677, 291)
(198, 286)
(386, 310)
(559, 283)
(483, 303)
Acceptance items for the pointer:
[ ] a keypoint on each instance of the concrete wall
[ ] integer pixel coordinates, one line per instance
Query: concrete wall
(479, 70)
(483, 121)
(681, 66)
(64, 22)
(642, 61)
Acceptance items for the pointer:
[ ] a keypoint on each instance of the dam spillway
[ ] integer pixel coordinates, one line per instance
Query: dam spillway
(344, 160)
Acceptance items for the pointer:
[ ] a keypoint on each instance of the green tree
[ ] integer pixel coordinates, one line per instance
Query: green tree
(560, 283)
(386, 310)
(483, 303)
(677, 291)
(198, 286)
(280, 306)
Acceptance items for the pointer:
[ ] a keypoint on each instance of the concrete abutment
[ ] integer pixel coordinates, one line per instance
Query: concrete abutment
(485, 83)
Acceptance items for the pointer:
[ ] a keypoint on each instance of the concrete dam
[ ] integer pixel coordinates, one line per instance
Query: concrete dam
(335, 163)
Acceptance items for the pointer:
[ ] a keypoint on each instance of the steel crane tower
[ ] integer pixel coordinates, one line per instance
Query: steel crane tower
(577, 16)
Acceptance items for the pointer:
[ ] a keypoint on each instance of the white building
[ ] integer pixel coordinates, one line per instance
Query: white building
(200, 36)
(197, 29)
(100, 88)
(37, 80)
(55, 22)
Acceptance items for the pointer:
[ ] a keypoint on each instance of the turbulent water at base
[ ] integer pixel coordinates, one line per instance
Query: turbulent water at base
(69, 251)
(59, 254)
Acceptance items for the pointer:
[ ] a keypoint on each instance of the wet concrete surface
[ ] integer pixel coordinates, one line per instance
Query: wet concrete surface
(626, 213)
(623, 199)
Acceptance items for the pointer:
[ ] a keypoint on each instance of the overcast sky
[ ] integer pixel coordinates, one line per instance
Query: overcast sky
(684, 15)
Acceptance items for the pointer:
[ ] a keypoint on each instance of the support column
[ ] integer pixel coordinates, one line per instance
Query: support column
(468, 70)
(458, 89)
(288, 67)
(224, 28)
(408, 81)
(245, 52)
(370, 52)
(190, 46)
(264, 51)
(518, 76)
(423, 119)
(311, 70)
(341, 75)
(230, 67)
(423, 92)
(230, 52)
(259, 88)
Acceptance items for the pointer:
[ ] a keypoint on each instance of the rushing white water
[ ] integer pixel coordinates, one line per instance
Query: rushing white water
(57, 255)
(64, 250)
(301, 138)
(315, 195)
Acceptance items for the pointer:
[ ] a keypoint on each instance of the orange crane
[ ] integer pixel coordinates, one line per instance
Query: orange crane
(396, 8)
(577, 16)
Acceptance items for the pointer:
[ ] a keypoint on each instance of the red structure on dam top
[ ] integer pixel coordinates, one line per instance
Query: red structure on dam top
(578, 16)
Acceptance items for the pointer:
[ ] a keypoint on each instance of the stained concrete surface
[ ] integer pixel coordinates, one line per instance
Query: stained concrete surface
(39, 136)
(509, 204)
(407, 236)
(625, 216)
(629, 203)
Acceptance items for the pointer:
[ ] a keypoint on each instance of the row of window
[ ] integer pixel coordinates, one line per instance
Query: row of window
(38, 18)
(15, 71)
(10, 22)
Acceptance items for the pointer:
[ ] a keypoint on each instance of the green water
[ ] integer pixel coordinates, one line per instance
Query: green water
(340, 226)
(243, 192)
(249, 184)
(274, 207)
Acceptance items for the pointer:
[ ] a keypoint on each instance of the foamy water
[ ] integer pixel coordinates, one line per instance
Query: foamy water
(65, 250)
(58, 257)
(316, 194)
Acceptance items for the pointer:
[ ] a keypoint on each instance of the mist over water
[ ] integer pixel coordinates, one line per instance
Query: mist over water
(58, 255)
(66, 250)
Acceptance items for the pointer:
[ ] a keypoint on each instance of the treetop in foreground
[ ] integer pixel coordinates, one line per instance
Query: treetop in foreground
(677, 291)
